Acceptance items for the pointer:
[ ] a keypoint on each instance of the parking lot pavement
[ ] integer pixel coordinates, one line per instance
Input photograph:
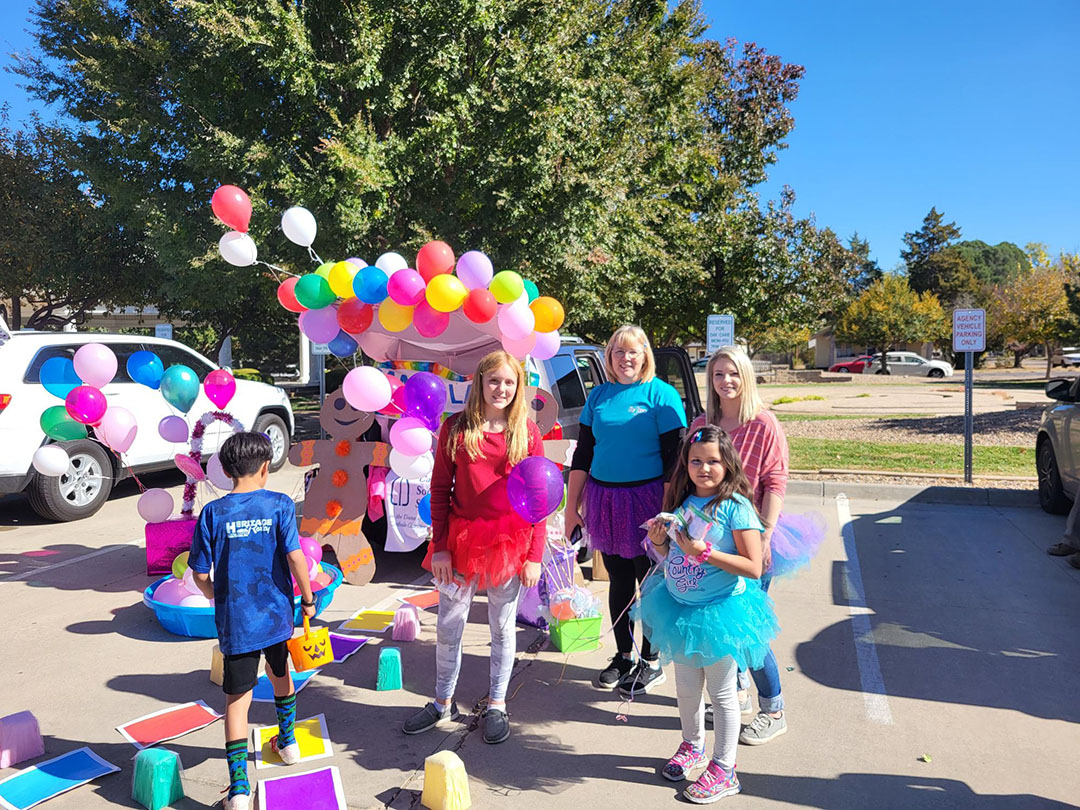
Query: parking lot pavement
(921, 631)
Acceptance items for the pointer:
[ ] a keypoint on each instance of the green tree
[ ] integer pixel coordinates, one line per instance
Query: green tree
(889, 312)
(868, 270)
(1033, 308)
(993, 264)
(923, 247)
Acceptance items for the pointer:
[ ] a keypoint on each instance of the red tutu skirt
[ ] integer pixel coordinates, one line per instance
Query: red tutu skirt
(489, 551)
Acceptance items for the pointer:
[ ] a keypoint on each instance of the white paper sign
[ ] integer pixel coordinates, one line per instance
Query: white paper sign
(969, 330)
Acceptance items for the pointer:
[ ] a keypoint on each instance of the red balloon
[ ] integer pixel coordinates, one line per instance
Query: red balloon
(396, 407)
(354, 316)
(480, 306)
(286, 295)
(434, 258)
(232, 206)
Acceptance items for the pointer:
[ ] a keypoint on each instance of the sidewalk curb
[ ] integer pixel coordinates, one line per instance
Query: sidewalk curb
(963, 496)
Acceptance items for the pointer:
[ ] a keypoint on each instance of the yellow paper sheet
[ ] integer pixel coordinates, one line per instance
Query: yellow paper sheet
(311, 735)
(371, 621)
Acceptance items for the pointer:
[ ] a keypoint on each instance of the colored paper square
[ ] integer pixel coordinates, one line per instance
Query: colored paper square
(168, 724)
(314, 790)
(32, 786)
(370, 621)
(344, 646)
(424, 600)
(264, 689)
(311, 736)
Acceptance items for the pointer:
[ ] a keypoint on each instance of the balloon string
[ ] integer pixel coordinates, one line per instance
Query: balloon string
(314, 256)
(277, 269)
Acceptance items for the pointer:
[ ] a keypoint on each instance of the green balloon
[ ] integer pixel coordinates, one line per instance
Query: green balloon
(532, 290)
(59, 426)
(314, 292)
(507, 287)
(324, 270)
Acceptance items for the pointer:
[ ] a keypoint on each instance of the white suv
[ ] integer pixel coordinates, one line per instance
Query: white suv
(910, 364)
(89, 480)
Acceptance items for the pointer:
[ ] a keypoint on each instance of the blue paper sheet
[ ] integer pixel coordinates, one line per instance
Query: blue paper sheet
(264, 690)
(31, 786)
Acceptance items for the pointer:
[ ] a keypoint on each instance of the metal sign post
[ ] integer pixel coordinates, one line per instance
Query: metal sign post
(319, 352)
(969, 338)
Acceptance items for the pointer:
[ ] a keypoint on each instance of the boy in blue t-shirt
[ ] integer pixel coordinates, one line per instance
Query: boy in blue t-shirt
(249, 539)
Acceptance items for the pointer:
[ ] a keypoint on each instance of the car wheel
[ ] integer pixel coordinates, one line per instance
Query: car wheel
(843, 370)
(274, 428)
(1052, 496)
(882, 371)
(936, 373)
(78, 493)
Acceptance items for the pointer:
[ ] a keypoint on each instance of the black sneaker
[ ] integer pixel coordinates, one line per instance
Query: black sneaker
(641, 679)
(429, 717)
(496, 726)
(618, 669)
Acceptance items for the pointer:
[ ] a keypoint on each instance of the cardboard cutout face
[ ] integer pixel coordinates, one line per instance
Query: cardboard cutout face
(341, 420)
(541, 408)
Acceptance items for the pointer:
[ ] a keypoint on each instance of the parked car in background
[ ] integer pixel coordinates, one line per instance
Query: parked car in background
(1068, 356)
(86, 486)
(909, 364)
(853, 365)
(1057, 447)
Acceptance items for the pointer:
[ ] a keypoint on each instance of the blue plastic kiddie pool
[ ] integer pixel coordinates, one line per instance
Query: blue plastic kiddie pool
(198, 622)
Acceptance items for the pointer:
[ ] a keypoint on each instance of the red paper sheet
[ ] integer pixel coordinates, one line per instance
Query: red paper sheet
(168, 724)
(423, 600)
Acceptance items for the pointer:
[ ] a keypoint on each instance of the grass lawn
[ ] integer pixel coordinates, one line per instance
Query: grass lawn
(819, 454)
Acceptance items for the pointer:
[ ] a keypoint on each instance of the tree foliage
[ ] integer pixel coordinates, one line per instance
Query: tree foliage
(1033, 308)
(867, 269)
(993, 264)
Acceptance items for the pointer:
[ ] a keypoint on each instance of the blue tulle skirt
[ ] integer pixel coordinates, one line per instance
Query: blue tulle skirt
(795, 541)
(740, 625)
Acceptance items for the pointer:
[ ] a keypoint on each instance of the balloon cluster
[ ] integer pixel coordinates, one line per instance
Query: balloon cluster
(342, 299)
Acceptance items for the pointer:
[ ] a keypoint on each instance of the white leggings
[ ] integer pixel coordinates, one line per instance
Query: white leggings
(723, 692)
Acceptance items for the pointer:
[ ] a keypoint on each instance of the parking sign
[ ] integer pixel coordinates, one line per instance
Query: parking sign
(719, 331)
(969, 330)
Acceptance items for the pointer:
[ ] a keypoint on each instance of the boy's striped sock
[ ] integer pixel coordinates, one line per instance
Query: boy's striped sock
(236, 753)
(286, 720)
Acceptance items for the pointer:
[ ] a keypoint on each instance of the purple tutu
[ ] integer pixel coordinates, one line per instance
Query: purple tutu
(614, 515)
(795, 541)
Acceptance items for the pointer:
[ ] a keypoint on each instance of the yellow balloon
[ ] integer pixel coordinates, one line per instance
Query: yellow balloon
(341, 277)
(394, 317)
(445, 292)
(324, 270)
(180, 564)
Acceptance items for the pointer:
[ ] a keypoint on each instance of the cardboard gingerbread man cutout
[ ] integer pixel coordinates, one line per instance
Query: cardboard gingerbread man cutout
(337, 499)
(544, 411)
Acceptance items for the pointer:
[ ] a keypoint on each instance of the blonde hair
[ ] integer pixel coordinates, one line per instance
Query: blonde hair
(468, 428)
(750, 403)
(621, 337)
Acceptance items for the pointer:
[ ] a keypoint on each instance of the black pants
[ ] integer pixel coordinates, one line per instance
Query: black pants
(622, 576)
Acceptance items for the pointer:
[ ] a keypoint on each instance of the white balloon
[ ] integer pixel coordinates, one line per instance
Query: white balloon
(299, 226)
(411, 467)
(238, 249)
(155, 505)
(51, 460)
(217, 475)
(390, 263)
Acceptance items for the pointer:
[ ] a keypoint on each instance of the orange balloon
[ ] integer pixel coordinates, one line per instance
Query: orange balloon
(562, 610)
(548, 313)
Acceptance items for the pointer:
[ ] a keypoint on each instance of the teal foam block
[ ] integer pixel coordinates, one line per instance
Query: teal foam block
(389, 669)
(156, 783)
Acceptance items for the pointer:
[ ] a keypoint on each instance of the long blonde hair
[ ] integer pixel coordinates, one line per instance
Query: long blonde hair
(750, 403)
(623, 336)
(468, 428)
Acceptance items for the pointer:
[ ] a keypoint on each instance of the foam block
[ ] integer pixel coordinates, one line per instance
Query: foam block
(446, 785)
(389, 669)
(156, 782)
(217, 666)
(20, 739)
(406, 623)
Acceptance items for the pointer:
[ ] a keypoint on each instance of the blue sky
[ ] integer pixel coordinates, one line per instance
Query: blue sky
(905, 105)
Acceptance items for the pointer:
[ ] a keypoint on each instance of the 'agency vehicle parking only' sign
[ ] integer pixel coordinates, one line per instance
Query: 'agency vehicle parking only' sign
(969, 330)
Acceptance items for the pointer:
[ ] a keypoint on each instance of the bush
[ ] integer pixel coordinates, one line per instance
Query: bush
(252, 374)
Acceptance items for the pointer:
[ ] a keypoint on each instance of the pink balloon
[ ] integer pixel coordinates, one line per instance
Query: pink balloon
(86, 404)
(396, 405)
(547, 345)
(155, 505)
(406, 287)
(173, 429)
(429, 322)
(311, 548)
(189, 467)
(171, 591)
(519, 348)
(189, 582)
(516, 320)
(320, 325)
(220, 386)
(117, 429)
(95, 364)
(410, 437)
(196, 600)
(313, 569)
(366, 389)
(217, 475)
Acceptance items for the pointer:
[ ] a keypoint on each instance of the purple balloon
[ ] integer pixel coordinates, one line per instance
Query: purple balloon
(320, 325)
(425, 398)
(535, 488)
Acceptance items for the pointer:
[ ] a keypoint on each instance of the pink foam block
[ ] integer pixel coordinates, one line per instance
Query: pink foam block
(20, 739)
(164, 541)
(406, 623)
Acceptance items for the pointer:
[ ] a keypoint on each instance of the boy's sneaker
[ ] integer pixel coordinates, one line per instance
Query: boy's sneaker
(745, 707)
(429, 717)
(685, 760)
(496, 726)
(764, 728)
(641, 679)
(241, 801)
(615, 671)
(713, 785)
(290, 754)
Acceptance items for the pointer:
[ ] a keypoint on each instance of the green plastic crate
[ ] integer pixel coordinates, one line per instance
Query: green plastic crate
(576, 635)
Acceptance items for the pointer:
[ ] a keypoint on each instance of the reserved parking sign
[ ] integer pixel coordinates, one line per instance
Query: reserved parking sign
(969, 330)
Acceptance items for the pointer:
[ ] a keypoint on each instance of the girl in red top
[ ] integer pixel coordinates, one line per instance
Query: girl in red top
(478, 540)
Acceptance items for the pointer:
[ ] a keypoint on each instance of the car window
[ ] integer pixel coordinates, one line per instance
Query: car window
(178, 356)
(588, 370)
(122, 351)
(568, 385)
(669, 370)
(894, 358)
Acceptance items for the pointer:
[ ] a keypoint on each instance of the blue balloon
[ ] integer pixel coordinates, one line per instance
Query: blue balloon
(369, 284)
(58, 376)
(343, 345)
(180, 387)
(146, 368)
(424, 509)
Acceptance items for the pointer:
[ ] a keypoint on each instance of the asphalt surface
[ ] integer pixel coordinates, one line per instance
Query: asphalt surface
(923, 631)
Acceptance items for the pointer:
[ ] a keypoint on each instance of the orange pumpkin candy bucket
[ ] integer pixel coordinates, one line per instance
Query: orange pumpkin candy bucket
(311, 649)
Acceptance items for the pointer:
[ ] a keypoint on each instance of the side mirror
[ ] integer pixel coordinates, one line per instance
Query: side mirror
(1060, 390)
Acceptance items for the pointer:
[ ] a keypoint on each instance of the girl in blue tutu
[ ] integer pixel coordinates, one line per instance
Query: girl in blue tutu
(702, 615)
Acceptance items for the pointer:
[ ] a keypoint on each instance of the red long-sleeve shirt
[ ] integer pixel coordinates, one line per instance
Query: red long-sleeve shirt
(763, 450)
(476, 489)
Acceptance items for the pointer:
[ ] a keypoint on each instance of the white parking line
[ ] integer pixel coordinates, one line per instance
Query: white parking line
(35, 571)
(875, 698)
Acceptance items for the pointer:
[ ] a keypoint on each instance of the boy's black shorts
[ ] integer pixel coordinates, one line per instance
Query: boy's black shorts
(242, 670)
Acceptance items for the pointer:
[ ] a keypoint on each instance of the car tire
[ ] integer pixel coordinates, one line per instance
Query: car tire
(1052, 496)
(936, 373)
(275, 428)
(81, 491)
(843, 370)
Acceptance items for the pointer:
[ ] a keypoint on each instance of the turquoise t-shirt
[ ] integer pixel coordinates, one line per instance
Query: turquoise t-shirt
(627, 421)
(698, 584)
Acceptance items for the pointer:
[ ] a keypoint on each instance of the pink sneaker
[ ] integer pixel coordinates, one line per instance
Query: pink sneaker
(713, 785)
(684, 761)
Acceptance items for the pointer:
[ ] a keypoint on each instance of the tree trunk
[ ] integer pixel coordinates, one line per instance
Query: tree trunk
(16, 313)
(1049, 359)
(1018, 356)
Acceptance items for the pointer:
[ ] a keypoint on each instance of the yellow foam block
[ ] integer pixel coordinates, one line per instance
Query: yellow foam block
(446, 785)
(217, 666)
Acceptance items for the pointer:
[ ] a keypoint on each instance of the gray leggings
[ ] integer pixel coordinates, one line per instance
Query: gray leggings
(690, 686)
(453, 615)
